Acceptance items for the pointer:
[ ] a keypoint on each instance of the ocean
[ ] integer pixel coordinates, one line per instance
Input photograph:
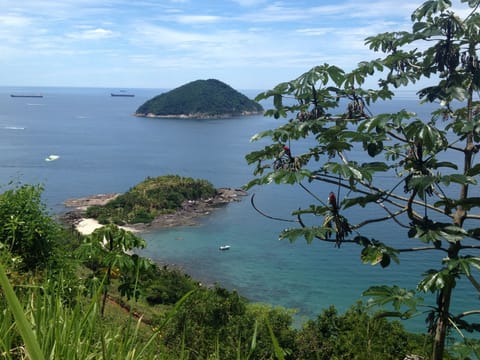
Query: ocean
(102, 148)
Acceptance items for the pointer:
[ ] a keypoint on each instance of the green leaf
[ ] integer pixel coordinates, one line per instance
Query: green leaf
(345, 170)
(435, 280)
(394, 295)
(474, 170)
(463, 264)
(375, 252)
(277, 101)
(466, 204)
(308, 233)
(457, 178)
(430, 231)
(361, 200)
(430, 7)
(447, 164)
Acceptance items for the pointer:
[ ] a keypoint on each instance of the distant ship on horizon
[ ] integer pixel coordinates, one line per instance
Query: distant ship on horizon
(27, 95)
(122, 93)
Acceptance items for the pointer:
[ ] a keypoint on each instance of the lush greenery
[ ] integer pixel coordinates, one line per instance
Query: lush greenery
(151, 197)
(332, 141)
(200, 98)
(26, 231)
(61, 310)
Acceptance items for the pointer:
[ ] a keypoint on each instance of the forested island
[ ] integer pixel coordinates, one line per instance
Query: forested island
(200, 99)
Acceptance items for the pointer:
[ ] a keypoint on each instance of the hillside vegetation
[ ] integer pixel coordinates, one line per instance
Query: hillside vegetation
(153, 196)
(92, 297)
(200, 99)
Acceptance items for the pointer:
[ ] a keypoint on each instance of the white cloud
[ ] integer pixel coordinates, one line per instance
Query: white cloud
(147, 35)
(181, 38)
(320, 31)
(13, 21)
(249, 2)
(92, 34)
(197, 19)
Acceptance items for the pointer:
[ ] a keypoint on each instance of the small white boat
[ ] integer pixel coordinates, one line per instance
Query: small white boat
(52, 157)
(224, 247)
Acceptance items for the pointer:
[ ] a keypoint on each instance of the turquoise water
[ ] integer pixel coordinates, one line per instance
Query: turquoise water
(102, 148)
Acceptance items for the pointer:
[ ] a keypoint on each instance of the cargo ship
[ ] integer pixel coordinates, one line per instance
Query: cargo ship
(27, 95)
(122, 93)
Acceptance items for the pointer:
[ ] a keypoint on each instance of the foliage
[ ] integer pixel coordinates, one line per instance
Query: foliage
(204, 323)
(200, 98)
(61, 331)
(27, 231)
(167, 286)
(107, 251)
(419, 172)
(217, 321)
(151, 197)
(356, 335)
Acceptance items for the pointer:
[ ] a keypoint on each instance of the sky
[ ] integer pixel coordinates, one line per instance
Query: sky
(248, 44)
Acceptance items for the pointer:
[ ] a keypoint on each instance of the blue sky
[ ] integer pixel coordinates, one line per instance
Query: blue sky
(249, 44)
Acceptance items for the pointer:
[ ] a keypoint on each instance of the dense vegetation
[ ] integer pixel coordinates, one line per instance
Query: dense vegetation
(415, 173)
(200, 98)
(58, 307)
(66, 296)
(151, 197)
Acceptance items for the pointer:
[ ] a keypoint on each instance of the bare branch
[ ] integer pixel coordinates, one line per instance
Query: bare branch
(312, 194)
(391, 216)
(467, 313)
(473, 247)
(266, 215)
(423, 248)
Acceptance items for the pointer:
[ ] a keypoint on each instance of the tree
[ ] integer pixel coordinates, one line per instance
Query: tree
(355, 335)
(27, 231)
(328, 109)
(107, 252)
(218, 323)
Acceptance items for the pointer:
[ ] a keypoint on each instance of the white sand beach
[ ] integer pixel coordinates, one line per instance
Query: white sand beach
(87, 226)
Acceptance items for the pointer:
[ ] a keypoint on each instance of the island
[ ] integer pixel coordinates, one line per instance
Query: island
(163, 201)
(202, 99)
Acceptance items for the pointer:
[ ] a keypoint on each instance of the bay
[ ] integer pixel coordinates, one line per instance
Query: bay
(103, 148)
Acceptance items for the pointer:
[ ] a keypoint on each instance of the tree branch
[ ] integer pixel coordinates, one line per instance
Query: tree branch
(266, 215)
(423, 248)
(391, 216)
(467, 313)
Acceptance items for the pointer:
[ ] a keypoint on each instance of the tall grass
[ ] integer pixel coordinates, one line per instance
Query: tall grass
(15, 311)
(44, 326)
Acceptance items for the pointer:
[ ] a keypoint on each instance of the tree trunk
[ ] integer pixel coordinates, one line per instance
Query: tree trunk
(443, 303)
(445, 295)
(105, 293)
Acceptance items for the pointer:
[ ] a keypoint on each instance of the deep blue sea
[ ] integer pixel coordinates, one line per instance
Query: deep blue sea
(103, 148)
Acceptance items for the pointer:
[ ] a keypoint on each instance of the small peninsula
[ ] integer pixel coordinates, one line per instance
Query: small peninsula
(163, 201)
(203, 99)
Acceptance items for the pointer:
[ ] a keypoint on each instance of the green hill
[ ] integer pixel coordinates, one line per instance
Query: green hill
(200, 99)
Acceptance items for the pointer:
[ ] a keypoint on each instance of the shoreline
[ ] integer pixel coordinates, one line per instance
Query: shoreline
(185, 216)
(199, 115)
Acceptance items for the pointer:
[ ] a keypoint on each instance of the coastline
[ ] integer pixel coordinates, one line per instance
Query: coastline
(185, 216)
(198, 115)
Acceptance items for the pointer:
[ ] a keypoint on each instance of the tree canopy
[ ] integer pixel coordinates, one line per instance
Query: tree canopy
(331, 136)
(151, 197)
